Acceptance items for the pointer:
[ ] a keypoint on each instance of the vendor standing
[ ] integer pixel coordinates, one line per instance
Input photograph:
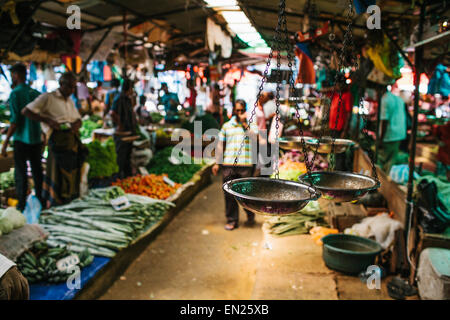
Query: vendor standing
(232, 134)
(125, 122)
(61, 123)
(393, 127)
(170, 102)
(27, 137)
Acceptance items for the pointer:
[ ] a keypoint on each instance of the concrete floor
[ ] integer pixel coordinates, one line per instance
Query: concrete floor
(195, 258)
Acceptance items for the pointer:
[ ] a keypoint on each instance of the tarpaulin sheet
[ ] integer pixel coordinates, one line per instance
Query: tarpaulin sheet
(60, 291)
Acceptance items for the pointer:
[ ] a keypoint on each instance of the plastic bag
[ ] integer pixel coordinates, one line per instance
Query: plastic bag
(431, 212)
(381, 227)
(33, 209)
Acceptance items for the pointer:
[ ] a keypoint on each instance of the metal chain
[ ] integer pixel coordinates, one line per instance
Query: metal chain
(348, 40)
(365, 117)
(290, 57)
(366, 134)
(261, 87)
(278, 48)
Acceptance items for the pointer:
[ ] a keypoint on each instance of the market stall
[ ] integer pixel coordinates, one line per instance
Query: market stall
(110, 253)
(359, 118)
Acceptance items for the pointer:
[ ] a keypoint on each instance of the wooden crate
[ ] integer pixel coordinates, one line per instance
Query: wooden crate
(345, 215)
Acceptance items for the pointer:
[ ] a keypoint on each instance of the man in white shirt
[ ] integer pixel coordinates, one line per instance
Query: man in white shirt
(13, 285)
(61, 123)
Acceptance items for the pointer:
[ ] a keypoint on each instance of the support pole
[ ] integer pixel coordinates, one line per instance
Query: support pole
(418, 69)
(125, 40)
(377, 132)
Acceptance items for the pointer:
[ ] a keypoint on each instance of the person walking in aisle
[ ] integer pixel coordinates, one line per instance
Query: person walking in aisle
(125, 122)
(393, 127)
(61, 123)
(232, 135)
(27, 137)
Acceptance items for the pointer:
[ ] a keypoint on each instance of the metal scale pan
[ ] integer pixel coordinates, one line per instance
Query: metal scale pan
(271, 197)
(339, 186)
(325, 146)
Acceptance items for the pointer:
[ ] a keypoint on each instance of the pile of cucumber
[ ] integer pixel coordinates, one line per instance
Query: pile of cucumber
(39, 263)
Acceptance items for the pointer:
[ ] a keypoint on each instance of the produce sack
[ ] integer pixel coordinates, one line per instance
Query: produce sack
(20, 240)
(33, 209)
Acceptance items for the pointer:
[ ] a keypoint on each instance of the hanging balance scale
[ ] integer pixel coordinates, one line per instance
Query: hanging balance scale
(263, 195)
(339, 186)
(277, 197)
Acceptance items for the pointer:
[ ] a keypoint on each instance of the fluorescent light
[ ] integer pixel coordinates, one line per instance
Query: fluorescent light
(221, 3)
(257, 43)
(247, 37)
(241, 28)
(235, 17)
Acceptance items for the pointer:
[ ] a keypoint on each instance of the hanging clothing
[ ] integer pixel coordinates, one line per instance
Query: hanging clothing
(306, 72)
(380, 56)
(361, 5)
(191, 100)
(96, 71)
(33, 72)
(49, 74)
(107, 73)
(344, 110)
(73, 63)
(440, 81)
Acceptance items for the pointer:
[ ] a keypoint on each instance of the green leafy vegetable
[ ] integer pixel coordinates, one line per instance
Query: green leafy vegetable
(102, 159)
(181, 173)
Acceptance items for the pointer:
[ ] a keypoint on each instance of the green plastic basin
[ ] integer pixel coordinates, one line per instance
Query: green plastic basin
(348, 253)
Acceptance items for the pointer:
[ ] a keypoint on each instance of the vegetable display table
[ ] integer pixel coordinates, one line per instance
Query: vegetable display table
(106, 276)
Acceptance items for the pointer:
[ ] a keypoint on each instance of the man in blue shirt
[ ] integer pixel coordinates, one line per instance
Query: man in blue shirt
(393, 127)
(170, 102)
(27, 136)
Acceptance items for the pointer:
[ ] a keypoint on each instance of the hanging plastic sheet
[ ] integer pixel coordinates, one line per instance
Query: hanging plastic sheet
(215, 36)
(96, 70)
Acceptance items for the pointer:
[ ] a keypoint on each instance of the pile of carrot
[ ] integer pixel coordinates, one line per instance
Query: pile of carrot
(150, 185)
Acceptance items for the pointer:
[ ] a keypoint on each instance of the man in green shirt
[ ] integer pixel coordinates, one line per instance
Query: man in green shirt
(27, 136)
(393, 127)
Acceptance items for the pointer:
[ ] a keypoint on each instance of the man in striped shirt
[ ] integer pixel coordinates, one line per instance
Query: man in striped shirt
(232, 134)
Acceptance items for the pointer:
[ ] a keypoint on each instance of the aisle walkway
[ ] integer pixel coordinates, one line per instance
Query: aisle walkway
(195, 258)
